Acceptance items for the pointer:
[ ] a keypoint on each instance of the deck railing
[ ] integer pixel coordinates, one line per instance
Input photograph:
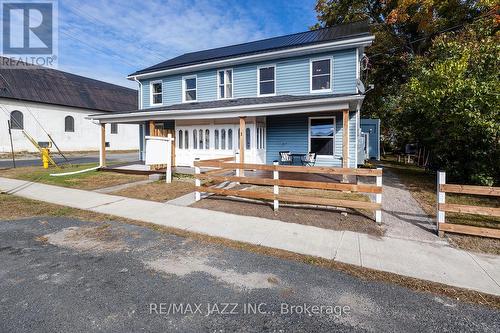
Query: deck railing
(443, 207)
(220, 168)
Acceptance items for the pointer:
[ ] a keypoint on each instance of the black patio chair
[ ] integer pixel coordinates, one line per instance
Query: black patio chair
(309, 159)
(285, 158)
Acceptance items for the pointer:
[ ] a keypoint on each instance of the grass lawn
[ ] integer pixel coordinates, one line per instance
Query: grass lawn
(422, 185)
(90, 180)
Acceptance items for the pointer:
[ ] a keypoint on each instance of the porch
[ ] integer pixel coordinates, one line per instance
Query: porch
(256, 129)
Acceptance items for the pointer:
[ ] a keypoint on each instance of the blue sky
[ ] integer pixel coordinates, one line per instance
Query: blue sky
(109, 39)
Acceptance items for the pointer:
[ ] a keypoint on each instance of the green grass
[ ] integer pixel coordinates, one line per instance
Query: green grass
(88, 180)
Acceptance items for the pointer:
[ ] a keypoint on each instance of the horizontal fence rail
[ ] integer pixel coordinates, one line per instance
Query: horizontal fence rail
(443, 208)
(225, 165)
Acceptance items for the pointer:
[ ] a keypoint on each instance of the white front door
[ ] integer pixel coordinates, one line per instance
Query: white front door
(208, 141)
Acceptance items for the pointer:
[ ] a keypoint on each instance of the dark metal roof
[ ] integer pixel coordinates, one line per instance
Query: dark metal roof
(225, 103)
(45, 85)
(323, 35)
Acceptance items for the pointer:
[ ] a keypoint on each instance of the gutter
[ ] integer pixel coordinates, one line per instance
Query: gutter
(324, 47)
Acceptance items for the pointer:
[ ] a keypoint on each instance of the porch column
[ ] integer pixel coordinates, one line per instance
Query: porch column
(151, 128)
(345, 139)
(102, 146)
(242, 142)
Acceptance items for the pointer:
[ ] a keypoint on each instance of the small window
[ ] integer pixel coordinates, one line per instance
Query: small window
(16, 120)
(114, 128)
(179, 140)
(321, 134)
(225, 83)
(200, 140)
(230, 139)
(69, 124)
(216, 139)
(190, 89)
(247, 138)
(186, 140)
(207, 139)
(156, 93)
(195, 139)
(321, 75)
(267, 80)
(223, 139)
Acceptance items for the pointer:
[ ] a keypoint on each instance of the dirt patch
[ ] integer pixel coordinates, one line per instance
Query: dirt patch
(184, 266)
(158, 191)
(99, 238)
(319, 217)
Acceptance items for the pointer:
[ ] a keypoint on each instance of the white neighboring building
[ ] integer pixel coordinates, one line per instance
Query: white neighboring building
(32, 98)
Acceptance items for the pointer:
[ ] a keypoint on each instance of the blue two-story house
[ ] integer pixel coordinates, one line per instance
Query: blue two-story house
(294, 93)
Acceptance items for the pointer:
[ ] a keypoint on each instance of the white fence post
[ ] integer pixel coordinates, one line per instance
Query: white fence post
(276, 189)
(237, 160)
(197, 182)
(168, 177)
(441, 199)
(378, 199)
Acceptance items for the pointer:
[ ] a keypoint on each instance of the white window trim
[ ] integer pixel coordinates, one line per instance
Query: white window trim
(151, 99)
(334, 135)
(258, 80)
(184, 78)
(311, 76)
(218, 83)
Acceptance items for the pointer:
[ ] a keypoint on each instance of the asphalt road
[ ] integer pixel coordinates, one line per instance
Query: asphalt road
(60, 275)
(79, 159)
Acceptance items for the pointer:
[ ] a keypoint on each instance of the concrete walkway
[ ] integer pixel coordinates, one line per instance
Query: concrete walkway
(434, 261)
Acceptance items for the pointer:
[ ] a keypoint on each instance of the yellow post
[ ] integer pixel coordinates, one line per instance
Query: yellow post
(45, 157)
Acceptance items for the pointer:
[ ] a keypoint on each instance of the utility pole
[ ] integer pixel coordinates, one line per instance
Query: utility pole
(11, 145)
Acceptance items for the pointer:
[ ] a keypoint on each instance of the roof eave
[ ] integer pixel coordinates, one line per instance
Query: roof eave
(303, 106)
(289, 52)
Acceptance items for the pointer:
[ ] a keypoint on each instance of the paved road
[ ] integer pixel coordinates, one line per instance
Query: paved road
(89, 158)
(81, 277)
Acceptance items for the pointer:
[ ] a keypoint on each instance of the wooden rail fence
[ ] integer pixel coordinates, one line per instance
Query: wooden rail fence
(443, 207)
(223, 165)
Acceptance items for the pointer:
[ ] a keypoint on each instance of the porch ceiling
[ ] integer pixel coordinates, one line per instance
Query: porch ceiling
(241, 107)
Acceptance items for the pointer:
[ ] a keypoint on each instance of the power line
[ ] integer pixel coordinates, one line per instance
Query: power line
(98, 21)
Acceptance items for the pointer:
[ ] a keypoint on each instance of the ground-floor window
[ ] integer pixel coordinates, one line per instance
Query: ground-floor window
(322, 135)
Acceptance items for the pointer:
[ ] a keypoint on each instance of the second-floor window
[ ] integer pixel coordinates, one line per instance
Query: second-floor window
(189, 89)
(225, 83)
(267, 80)
(156, 93)
(321, 77)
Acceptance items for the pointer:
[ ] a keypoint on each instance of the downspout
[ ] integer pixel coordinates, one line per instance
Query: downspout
(141, 151)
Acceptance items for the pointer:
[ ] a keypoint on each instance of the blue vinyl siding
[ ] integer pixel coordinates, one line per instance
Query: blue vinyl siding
(292, 78)
(290, 133)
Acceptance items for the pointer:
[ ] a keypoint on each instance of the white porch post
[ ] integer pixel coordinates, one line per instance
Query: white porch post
(276, 189)
(378, 199)
(441, 199)
(242, 143)
(197, 181)
(168, 177)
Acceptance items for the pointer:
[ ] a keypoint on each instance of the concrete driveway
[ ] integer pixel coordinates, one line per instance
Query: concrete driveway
(76, 159)
(61, 275)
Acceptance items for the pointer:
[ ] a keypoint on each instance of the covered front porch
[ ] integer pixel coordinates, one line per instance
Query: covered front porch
(327, 126)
